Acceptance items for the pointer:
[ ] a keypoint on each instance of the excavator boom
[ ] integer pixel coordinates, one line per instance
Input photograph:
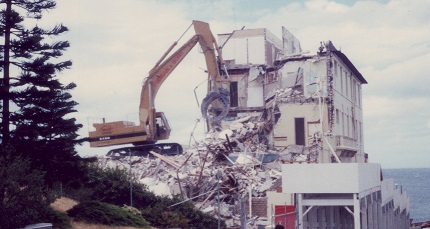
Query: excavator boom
(153, 125)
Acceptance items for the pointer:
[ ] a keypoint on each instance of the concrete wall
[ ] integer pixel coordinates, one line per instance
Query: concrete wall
(330, 178)
(348, 113)
(252, 46)
(285, 125)
(327, 190)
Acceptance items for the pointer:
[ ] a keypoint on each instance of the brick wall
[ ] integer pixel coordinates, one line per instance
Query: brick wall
(259, 206)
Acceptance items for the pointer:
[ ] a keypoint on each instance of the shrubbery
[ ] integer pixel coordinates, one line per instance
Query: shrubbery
(184, 215)
(25, 199)
(102, 213)
(112, 186)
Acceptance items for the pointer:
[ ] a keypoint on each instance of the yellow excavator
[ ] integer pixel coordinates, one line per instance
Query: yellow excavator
(153, 125)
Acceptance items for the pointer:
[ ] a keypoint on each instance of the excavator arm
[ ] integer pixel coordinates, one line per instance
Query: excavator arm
(160, 72)
(152, 83)
(153, 125)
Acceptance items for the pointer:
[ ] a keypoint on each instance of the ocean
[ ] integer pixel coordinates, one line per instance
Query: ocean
(416, 183)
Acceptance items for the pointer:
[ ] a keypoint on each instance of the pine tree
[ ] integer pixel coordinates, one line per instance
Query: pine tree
(37, 123)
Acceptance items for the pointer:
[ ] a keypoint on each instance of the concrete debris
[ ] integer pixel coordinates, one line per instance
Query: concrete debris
(228, 166)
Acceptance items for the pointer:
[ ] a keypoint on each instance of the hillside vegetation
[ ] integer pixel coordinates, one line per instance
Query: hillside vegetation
(99, 196)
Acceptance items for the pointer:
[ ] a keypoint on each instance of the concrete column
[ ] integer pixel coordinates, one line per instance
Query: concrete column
(300, 209)
(370, 212)
(357, 224)
(379, 208)
(375, 212)
(363, 212)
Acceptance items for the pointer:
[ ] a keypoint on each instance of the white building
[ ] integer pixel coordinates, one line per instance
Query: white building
(319, 102)
(312, 107)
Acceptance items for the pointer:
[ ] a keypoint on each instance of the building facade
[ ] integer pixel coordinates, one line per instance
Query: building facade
(312, 103)
(312, 109)
(320, 106)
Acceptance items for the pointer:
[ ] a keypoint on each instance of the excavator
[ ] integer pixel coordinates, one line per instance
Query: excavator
(153, 125)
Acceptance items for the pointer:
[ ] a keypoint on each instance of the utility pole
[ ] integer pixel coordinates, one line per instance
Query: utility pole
(218, 179)
(131, 183)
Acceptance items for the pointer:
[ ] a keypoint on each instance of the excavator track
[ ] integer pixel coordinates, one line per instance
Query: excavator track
(167, 149)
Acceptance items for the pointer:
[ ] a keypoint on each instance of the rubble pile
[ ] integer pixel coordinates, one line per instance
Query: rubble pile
(231, 164)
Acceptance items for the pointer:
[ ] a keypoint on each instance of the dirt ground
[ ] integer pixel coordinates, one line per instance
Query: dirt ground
(63, 204)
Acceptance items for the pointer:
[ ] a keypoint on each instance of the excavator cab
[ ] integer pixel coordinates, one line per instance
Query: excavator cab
(162, 128)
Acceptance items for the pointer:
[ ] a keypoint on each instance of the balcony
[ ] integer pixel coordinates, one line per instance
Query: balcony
(346, 145)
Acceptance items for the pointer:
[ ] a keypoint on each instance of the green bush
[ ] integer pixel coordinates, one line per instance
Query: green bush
(102, 213)
(112, 186)
(184, 215)
(160, 215)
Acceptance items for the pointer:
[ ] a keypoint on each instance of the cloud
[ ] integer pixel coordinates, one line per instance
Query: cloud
(115, 44)
(329, 6)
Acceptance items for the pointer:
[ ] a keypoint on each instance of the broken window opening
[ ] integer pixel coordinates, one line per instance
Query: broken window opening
(234, 95)
(313, 128)
(299, 76)
(277, 115)
(271, 77)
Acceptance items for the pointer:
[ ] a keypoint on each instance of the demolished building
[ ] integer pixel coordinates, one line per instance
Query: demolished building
(289, 148)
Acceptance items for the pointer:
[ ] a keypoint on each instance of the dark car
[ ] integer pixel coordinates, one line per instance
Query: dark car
(166, 149)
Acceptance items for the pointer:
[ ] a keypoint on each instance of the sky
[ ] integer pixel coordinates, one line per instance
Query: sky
(115, 43)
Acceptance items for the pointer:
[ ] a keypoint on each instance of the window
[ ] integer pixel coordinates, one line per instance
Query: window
(313, 127)
(359, 95)
(341, 80)
(335, 67)
(234, 97)
(347, 125)
(346, 84)
(354, 91)
(361, 133)
(343, 124)
(356, 129)
(299, 124)
(335, 73)
(337, 116)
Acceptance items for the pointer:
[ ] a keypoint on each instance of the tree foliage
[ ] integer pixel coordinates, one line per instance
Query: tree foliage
(37, 121)
(23, 197)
